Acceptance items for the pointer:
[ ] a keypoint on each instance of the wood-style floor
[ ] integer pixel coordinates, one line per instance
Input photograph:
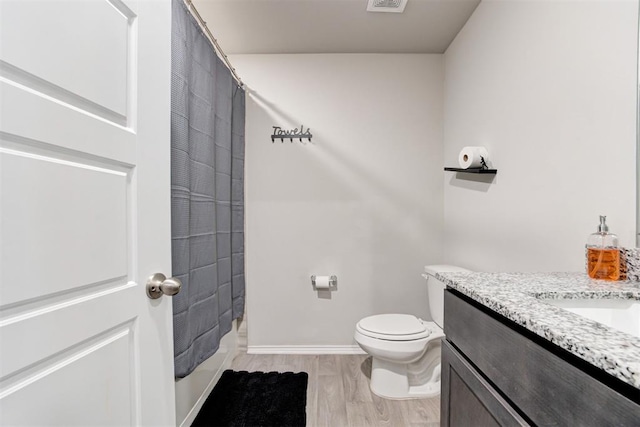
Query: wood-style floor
(338, 392)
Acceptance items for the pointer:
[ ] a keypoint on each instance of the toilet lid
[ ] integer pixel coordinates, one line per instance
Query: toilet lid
(394, 326)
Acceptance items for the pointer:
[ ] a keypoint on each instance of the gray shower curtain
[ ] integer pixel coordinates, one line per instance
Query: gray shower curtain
(207, 199)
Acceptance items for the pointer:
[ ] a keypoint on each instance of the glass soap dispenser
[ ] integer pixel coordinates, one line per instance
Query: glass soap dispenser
(603, 254)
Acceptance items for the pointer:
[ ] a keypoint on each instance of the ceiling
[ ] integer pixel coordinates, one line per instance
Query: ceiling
(333, 26)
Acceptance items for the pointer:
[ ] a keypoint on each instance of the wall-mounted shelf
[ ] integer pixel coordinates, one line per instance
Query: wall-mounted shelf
(473, 170)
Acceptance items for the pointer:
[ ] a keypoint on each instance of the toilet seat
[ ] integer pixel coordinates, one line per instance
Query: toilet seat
(394, 327)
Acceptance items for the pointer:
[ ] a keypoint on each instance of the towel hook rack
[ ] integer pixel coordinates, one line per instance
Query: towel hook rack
(300, 134)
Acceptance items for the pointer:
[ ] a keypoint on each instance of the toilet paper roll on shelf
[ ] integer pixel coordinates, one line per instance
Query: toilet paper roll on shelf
(324, 282)
(473, 157)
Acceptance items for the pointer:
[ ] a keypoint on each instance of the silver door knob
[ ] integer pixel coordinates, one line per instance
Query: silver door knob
(158, 284)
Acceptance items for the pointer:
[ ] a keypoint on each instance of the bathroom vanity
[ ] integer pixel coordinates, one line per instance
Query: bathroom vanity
(512, 356)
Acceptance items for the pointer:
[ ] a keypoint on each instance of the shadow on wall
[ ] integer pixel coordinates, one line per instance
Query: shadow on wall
(287, 172)
(270, 106)
(340, 164)
(477, 182)
(346, 165)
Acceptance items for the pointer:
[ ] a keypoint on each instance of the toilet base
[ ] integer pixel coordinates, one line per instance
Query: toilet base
(417, 380)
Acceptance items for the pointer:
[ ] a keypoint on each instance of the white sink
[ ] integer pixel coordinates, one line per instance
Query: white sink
(623, 315)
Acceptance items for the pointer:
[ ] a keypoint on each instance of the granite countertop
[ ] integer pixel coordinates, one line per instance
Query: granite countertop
(517, 296)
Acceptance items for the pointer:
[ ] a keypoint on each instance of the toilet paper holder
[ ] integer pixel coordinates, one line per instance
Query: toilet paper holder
(333, 281)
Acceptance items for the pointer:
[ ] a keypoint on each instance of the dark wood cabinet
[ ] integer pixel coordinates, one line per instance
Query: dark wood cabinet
(468, 399)
(492, 374)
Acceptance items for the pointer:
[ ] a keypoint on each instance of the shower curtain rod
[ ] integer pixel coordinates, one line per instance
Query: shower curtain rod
(220, 52)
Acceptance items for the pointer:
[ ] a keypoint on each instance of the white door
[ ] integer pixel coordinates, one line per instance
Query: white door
(84, 212)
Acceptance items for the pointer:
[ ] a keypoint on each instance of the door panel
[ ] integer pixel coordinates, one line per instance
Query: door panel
(84, 212)
(87, 137)
(83, 57)
(107, 395)
(44, 218)
(54, 325)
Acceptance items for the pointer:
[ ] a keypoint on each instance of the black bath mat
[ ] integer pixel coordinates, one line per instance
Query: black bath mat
(252, 399)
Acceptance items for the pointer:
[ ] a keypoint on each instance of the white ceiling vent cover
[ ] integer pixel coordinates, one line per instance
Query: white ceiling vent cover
(396, 6)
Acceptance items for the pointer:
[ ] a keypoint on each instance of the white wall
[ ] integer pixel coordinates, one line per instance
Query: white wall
(549, 87)
(363, 201)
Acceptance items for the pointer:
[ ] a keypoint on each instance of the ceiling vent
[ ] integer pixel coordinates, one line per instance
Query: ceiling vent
(396, 6)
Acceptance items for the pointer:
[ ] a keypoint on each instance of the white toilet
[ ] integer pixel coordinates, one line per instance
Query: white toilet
(405, 349)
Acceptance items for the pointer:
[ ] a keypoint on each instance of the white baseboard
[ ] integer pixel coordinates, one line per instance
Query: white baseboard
(304, 349)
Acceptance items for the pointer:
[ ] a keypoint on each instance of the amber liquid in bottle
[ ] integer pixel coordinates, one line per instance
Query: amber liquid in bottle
(603, 263)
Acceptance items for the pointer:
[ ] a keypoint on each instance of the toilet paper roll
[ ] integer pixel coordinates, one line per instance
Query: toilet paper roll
(322, 282)
(471, 157)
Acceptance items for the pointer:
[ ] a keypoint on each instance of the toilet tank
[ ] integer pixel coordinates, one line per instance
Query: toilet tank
(435, 290)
